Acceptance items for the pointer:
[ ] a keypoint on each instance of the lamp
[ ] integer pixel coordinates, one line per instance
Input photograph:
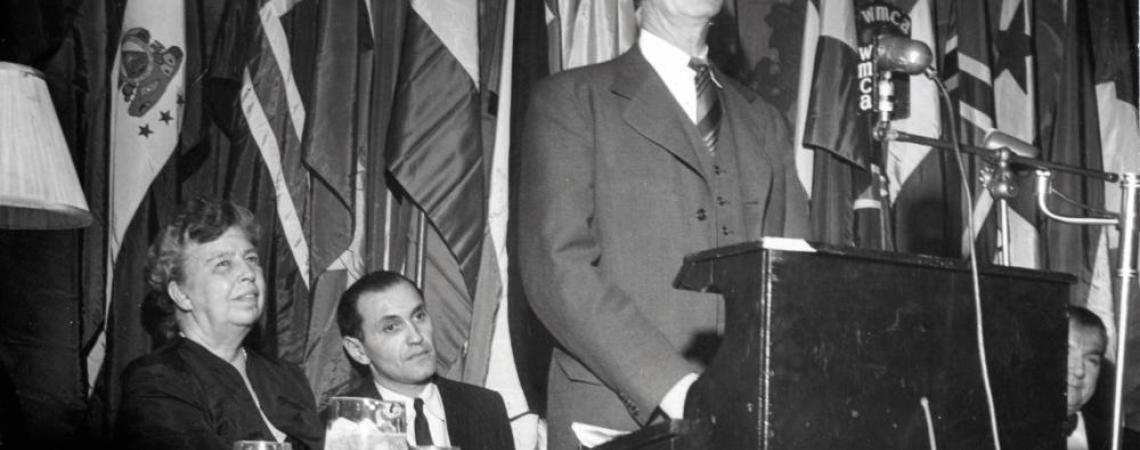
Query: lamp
(38, 185)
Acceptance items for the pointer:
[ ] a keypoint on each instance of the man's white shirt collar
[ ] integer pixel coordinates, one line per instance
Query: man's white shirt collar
(672, 65)
(1079, 438)
(433, 409)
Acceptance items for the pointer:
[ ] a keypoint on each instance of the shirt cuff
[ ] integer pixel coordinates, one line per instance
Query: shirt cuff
(673, 404)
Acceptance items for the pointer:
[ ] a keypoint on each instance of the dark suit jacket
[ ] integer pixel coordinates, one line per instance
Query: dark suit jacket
(476, 417)
(611, 199)
(183, 397)
(1100, 435)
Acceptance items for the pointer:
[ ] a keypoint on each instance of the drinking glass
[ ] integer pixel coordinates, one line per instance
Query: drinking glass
(360, 423)
(262, 445)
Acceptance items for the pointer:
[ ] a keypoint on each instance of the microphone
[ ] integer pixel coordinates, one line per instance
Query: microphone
(996, 140)
(900, 54)
(896, 54)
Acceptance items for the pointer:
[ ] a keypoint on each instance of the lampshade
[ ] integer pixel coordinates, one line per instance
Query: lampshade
(38, 185)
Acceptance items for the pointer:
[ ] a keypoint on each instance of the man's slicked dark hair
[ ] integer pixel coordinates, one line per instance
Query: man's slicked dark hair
(348, 315)
(1088, 319)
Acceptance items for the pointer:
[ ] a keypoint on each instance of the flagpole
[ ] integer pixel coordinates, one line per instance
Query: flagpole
(421, 248)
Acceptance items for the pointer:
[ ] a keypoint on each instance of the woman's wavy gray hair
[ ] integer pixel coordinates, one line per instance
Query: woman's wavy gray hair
(199, 221)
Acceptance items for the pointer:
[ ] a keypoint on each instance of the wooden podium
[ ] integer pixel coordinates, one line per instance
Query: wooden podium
(829, 347)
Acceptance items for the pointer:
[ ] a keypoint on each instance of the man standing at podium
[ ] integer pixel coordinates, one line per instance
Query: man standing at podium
(628, 166)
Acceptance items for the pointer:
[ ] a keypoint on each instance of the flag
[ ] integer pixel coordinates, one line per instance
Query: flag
(435, 156)
(147, 83)
(335, 145)
(989, 71)
(435, 151)
(1113, 40)
(967, 76)
(845, 206)
(923, 188)
(493, 338)
(1015, 91)
(254, 98)
(590, 31)
(1069, 131)
(805, 156)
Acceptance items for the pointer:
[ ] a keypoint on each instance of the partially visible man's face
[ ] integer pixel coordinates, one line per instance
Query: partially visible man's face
(1086, 349)
(397, 342)
(699, 9)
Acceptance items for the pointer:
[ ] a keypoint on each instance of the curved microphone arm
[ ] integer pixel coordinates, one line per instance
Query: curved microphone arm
(1125, 221)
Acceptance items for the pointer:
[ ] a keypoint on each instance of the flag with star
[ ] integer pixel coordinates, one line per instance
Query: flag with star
(146, 85)
(967, 75)
(989, 71)
(1014, 98)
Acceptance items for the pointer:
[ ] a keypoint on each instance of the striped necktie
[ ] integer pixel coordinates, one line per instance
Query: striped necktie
(708, 103)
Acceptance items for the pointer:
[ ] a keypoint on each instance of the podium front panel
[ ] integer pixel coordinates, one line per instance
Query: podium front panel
(838, 348)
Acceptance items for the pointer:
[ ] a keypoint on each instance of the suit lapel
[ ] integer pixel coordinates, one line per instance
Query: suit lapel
(458, 427)
(652, 112)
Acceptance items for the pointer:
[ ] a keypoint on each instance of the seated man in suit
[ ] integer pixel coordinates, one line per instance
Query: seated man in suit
(1087, 342)
(386, 328)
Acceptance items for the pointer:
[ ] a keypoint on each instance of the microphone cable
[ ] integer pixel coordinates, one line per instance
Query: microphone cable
(970, 234)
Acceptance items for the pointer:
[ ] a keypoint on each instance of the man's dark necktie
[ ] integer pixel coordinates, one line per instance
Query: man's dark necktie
(423, 433)
(708, 103)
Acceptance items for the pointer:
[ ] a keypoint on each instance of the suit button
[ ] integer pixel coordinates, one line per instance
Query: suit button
(701, 215)
(721, 201)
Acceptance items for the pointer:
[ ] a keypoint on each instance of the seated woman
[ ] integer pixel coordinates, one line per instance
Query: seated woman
(204, 390)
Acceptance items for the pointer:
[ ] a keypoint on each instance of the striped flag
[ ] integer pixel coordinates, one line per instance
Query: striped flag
(967, 76)
(989, 71)
(253, 97)
(253, 94)
(147, 88)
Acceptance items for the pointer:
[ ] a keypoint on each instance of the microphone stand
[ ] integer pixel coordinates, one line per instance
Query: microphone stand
(1125, 221)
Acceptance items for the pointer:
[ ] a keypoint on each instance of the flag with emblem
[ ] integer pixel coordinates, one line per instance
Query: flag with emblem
(147, 87)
